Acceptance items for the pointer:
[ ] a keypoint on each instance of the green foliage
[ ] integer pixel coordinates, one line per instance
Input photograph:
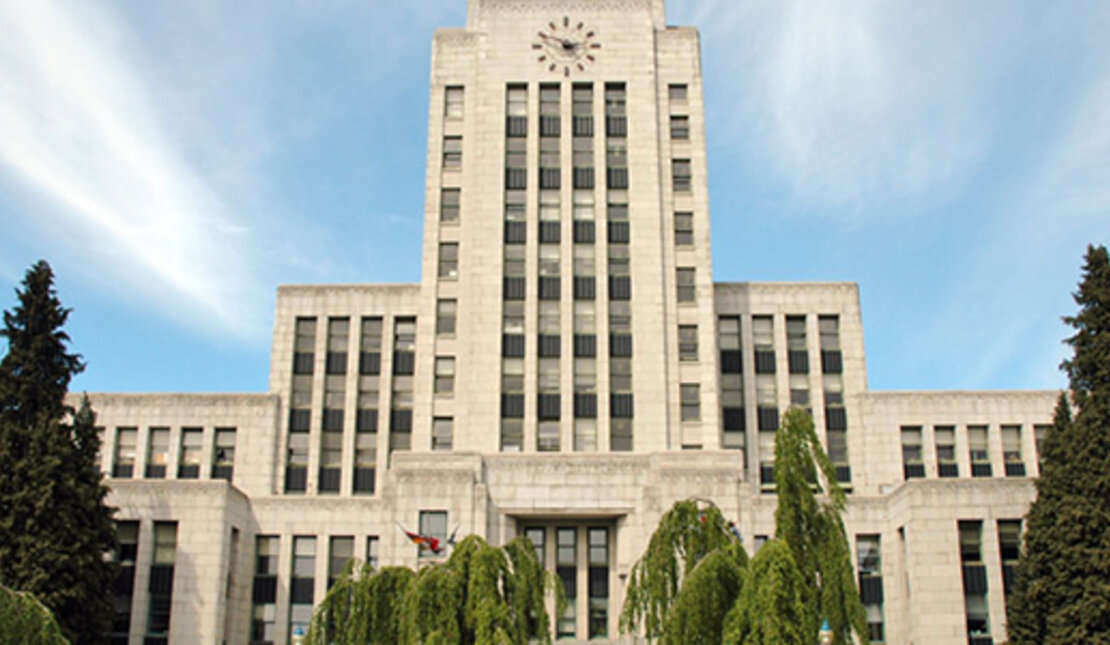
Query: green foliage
(686, 533)
(805, 578)
(54, 525)
(772, 608)
(1062, 592)
(813, 530)
(697, 616)
(480, 595)
(26, 621)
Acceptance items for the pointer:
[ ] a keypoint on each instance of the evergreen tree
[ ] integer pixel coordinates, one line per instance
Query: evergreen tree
(1062, 593)
(54, 526)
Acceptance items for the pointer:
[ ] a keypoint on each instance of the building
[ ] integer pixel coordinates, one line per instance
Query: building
(566, 369)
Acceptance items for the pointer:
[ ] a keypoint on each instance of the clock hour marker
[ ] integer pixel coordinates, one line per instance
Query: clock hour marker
(551, 67)
(552, 25)
(590, 57)
(581, 25)
(566, 71)
(566, 21)
(589, 34)
(595, 45)
(581, 67)
(543, 58)
(537, 46)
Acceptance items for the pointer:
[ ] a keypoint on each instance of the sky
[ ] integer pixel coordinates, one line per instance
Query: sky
(175, 162)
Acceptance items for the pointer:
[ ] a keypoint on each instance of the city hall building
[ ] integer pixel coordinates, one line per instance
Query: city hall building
(566, 369)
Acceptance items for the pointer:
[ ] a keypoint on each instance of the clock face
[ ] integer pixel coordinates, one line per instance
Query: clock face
(566, 46)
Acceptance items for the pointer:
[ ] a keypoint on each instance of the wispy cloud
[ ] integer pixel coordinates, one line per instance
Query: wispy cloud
(856, 102)
(79, 127)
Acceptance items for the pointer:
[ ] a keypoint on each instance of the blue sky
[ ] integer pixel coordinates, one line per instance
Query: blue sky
(175, 162)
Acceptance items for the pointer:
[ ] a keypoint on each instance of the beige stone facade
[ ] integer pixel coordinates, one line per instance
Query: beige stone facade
(566, 369)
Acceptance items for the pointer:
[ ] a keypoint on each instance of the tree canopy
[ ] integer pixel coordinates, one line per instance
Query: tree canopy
(55, 528)
(26, 621)
(481, 595)
(694, 583)
(1062, 591)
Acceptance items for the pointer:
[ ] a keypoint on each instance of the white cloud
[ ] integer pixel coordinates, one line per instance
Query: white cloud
(857, 102)
(78, 126)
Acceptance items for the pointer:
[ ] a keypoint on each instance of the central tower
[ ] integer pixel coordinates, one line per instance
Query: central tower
(567, 233)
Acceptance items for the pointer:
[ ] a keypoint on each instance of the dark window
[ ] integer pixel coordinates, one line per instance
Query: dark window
(681, 175)
(680, 126)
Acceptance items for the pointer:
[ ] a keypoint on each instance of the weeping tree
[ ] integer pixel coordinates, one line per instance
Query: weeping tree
(25, 620)
(694, 585)
(772, 608)
(480, 595)
(812, 528)
(686, 534)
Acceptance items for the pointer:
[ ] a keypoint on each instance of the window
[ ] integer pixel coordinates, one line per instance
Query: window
(766, 459)
(331, 461)
(680, 126)
(691, 401)
(442, 433)
(869, 556)
(449, 200)
(161, 582)
(598, 575)
(799, 390)
(977, 451)
(452, 153)
(302, 583)
(127, 535)
(445, 316)
(912, 464)
(687, 342)
(372, 551)
(445, 375)
(687, 287)
(1009, 550)
(547, 436)
(190, 453)
(1039, 434)
(975, 580)
(516, 101)
(681, 175)
(583, 205)
(341, 549)
(124, 465)
(582, 96)
(676, 93)
(1011, 451)
(158, 450)
(566, 567)
(448, 260)
(296, 462)
(945, 439)
(223, 454)
(366, 458)
(432, 524)
(453, 103)
(304, 346)
(264, 609)
(684, 229)
(614, 99)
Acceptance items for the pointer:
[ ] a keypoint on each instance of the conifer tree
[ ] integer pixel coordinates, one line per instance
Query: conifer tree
(1062, 593)
(54, 526)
